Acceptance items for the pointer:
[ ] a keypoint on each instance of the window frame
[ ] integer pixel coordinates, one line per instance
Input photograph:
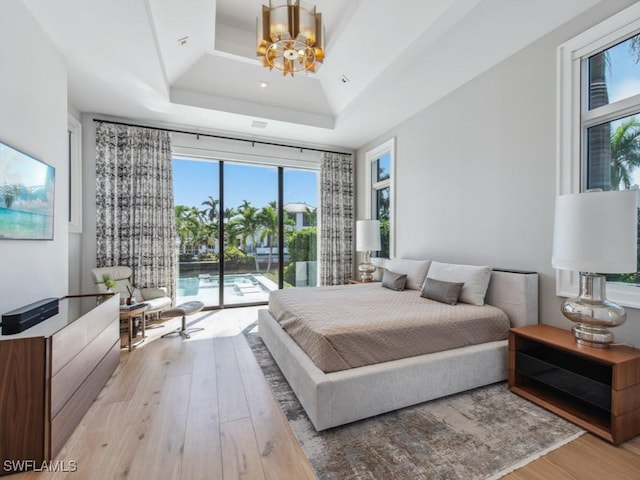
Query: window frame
(74, 129)
(574, 118)
(371, 156)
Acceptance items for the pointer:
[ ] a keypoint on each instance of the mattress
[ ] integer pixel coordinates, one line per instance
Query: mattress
(343, 327)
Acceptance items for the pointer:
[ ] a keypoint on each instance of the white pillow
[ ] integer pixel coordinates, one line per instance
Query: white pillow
(415, 270)
(475, 279)
(381, 264)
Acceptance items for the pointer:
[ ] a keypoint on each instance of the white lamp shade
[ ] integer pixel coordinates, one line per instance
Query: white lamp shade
(596, 232)
(368, 235)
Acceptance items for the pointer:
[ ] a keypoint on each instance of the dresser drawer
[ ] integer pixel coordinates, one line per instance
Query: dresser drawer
(74, 373)
(68, 342)
(70, 415)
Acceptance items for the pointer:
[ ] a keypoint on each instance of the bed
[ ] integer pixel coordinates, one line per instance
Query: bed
(341, 396)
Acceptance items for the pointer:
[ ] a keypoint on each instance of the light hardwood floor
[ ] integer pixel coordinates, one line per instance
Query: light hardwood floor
(201, 409)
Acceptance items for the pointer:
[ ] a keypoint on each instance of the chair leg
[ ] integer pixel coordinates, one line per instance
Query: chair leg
(183, 330)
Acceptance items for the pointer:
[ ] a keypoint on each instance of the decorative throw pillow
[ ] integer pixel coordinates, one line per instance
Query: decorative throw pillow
(394, 281)
(441, 291)
(415, 270)
(475, 279)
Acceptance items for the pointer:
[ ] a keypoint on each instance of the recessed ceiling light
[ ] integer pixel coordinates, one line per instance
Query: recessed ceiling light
(183, 41)
(264, 85)
(258, 124)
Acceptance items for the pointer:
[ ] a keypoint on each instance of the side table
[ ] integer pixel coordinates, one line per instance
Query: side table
(127, 314)
(597, 389)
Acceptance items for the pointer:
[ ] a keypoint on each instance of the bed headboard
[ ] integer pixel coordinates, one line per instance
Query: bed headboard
(516, 293)
(513, 291)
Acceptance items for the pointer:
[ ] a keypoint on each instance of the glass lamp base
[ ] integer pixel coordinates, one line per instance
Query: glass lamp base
(593, 313)
(598, 337)
(366, 272)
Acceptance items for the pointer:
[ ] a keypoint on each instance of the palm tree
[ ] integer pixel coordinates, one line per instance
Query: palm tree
(231, 227)
(268, 218)
(210, 231)
(248, 225)
(196, 236)
(211, 213)
(232, 230)
(229, 213)
(182, 230)
(625, 153)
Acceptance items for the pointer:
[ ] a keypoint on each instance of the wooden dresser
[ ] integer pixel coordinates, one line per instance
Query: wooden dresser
(49, 376)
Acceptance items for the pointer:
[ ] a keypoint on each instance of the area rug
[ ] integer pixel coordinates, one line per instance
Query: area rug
(481, 434)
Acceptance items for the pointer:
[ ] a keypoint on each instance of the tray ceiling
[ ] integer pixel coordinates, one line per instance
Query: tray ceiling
(192, 63)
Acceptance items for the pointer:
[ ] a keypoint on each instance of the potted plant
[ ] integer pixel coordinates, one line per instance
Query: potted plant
(109, 282)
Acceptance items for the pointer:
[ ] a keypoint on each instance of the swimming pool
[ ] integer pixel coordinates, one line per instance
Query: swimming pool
(238, 288)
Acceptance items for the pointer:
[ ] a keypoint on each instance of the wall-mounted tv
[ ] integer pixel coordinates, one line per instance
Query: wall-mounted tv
(26, 196)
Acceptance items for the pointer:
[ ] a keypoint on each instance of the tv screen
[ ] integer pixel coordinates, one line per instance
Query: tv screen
(26, 196)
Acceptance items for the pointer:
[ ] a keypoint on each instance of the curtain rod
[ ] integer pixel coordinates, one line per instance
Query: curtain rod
(222, 137)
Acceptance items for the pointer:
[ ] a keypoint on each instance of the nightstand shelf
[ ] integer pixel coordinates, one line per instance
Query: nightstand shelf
(597, 389)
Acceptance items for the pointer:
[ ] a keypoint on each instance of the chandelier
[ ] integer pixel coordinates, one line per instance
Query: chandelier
(290, 37)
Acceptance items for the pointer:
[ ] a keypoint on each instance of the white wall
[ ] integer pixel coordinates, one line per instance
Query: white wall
(476, 171)
(33, 119)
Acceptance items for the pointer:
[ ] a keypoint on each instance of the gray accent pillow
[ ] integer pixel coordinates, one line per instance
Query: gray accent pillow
(394, 281)
(441, 291)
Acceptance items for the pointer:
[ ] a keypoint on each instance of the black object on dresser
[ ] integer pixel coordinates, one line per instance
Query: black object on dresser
(20, 319)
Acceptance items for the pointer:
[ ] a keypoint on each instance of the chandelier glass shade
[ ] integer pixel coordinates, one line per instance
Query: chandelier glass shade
(290, 37)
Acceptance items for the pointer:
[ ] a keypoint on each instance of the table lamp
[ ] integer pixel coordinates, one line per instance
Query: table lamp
(367, 240)
(595, 233)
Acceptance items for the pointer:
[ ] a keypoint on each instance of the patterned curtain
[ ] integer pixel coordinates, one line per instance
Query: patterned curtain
(134, 203)
(337, 214)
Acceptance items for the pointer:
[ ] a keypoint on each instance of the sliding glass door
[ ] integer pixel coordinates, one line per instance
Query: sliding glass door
(251, 225)
(196, 187)
(300, 198)
(243, 230)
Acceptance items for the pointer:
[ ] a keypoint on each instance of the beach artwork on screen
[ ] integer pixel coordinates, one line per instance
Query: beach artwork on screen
(26, 196)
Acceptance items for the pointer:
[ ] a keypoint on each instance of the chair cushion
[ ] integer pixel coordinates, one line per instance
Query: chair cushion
(116, 273)
(183, 309)
(151, 292)
(156, 304)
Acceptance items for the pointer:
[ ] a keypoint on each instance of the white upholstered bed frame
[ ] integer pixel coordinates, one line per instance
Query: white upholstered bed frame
(332, 399)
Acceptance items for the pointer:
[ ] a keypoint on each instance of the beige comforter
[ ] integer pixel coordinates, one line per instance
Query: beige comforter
(351, 326)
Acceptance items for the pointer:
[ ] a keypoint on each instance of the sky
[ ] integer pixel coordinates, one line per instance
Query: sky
(195, 180)
(623, 76)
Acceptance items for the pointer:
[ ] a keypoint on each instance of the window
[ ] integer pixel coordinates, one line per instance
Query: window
(599, 124)
(380, 182)
(252, 186)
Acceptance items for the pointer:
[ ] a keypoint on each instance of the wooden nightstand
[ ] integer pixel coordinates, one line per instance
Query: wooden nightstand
(355, 281)
(597, 389)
